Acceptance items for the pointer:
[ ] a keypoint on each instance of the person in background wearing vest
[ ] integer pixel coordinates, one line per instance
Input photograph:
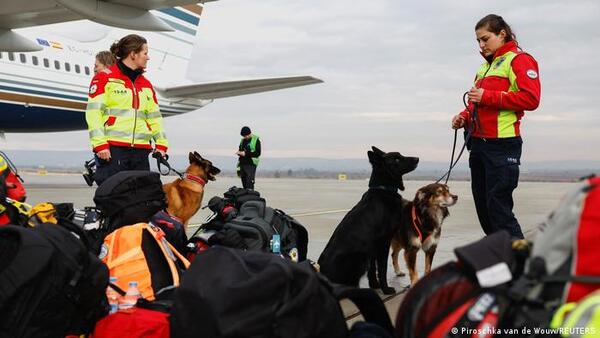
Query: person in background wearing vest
(104, 59)
(506, 85)
(122, 113)
(249, 153)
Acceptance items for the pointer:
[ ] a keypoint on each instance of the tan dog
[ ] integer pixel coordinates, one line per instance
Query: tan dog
(421, 226)
(184, 195)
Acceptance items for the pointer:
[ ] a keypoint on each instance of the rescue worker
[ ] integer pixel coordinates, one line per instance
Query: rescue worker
(122, 113)
(11, 187)
(249, 153)
(104, 59)
(506, 85)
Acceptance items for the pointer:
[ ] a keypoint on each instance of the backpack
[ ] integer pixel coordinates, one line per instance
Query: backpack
(257, 224)
(129, 197)
(173, 229)
(233, 293)
(141, 253)
(563, 265)
(468, 294)
(138, 323)
(50, 284)
(238, 196)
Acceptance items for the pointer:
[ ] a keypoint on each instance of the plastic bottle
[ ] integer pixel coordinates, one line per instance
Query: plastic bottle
(128, 301)
(113, 296)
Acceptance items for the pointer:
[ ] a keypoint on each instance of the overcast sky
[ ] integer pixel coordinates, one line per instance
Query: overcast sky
(394, 74)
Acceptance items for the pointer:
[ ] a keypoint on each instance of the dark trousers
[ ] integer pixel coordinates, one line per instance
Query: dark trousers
(247, 174)
(122, 158)
(494, 175)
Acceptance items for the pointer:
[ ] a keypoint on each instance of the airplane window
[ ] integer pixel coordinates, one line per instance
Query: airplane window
(23, 58)
(46, 63)
(11, 56)
(87, 70)
(77, 69)
(67, 67)
(34, 59)
(56, 64)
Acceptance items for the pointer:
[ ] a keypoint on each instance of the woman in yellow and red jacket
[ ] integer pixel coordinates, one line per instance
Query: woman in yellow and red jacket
(122, 113)
(506, 85)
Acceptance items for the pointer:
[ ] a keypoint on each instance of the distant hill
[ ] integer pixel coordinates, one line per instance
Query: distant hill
(73, 161)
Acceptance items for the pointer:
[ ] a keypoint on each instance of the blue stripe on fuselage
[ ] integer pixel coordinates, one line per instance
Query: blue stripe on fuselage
(17, 118)
(181, 15)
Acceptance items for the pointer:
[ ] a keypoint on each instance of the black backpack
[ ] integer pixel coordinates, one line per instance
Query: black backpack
(238, 196)
(129, 197)
(234, 293)
(256, 223)
(50, 284)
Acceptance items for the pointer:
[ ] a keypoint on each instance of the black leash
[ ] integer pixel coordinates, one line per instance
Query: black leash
(475, 124)
(469, 131)
(160, 160)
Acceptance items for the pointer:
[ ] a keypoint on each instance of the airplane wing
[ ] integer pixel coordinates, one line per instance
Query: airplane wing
(128, 14)
(216, 90)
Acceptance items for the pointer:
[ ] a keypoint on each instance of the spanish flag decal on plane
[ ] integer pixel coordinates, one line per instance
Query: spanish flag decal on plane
(56, 45)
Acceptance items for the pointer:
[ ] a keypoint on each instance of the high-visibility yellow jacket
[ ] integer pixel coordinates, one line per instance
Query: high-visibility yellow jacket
(123, 113)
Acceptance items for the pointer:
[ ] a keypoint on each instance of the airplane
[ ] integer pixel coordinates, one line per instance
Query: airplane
(44, 77)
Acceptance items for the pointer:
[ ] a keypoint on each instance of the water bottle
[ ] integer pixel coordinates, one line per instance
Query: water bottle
(113, 296)
(128, 301)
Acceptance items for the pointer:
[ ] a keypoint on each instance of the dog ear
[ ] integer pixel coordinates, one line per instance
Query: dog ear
(191, 157)
(373, 158)
(377, 151)
(198, 156)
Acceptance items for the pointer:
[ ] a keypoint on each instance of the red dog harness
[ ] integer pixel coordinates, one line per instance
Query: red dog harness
(416, 222)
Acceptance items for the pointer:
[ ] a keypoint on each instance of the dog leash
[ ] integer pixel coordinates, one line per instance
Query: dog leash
(468, 134)
(160, 160)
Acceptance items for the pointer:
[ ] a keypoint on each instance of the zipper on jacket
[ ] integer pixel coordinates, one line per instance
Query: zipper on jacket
(134, 112)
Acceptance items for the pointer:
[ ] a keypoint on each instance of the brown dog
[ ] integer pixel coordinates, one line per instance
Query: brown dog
(184, 195)
(421, 226)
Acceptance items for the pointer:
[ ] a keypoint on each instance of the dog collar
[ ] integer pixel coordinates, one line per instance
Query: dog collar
(385, 188)
(194, 178)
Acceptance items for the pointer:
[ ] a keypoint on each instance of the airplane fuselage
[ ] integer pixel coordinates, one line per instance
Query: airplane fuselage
(47, 91)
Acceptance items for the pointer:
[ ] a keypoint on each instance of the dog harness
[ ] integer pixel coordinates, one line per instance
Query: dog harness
(416, 222)
(194, 178)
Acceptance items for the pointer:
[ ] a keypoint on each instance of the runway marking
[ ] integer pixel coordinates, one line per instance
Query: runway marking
(313, 213)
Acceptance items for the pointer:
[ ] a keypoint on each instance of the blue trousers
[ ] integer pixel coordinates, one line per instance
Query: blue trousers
(122, 158)
(494, 167)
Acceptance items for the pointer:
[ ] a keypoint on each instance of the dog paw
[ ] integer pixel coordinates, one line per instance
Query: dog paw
(400, 273)
(388, 290)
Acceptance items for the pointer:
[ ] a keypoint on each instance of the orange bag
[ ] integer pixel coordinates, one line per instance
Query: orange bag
(141, 253)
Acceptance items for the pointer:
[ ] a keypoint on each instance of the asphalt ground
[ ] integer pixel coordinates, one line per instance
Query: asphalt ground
(320, 204)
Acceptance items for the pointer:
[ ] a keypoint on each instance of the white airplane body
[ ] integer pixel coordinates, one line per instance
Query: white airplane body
(44, 76)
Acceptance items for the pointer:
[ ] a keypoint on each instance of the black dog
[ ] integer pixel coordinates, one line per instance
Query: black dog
(362, 239)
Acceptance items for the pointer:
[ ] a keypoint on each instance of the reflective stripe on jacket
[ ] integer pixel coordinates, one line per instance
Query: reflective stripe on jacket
(123, 113)
(511, 85)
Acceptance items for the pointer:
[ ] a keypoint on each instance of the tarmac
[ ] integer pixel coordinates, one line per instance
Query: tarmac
(320, 204)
